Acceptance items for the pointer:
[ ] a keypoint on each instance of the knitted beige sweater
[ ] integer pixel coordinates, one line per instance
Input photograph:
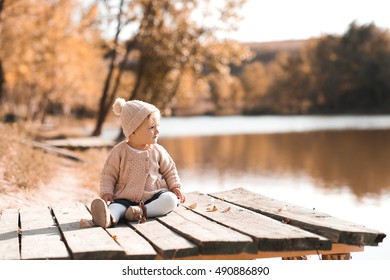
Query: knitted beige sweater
(138, 175)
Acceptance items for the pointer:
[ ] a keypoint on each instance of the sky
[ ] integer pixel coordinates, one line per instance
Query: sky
(277, 20)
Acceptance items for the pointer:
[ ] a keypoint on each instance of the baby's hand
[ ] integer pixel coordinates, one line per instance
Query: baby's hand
(107, 197)
(179, 194)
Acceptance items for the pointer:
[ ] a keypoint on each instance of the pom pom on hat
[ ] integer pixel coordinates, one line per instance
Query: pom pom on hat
(132, 113)
(118, 105)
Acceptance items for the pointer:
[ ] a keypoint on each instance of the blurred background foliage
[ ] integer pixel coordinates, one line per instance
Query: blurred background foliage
(72, 58)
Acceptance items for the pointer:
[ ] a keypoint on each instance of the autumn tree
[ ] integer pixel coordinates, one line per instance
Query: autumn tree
(349, 73)
(170, 40)
(50, 56)
(2, 75)
(255, 79)
(120, 14)
(363, 60)
(226, 93)
(333, 74)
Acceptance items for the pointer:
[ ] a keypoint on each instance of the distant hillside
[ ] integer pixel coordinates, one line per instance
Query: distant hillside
(267, 51)
(276, 45)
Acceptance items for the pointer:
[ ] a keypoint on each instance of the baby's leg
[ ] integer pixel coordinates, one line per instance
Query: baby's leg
(164, 204)
(117, 211)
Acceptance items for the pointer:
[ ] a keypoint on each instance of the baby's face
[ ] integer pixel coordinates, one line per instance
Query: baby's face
(147, 133)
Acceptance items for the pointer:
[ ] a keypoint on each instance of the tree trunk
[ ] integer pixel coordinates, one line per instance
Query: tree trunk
(109, 98)
(2, 82)
(103, 100)
(2, 76)
(133, 92)
(106, 94)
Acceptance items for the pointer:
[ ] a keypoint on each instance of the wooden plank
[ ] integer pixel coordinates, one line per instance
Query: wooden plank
(81, 143)
(337, 249)
(55, 150)
(166, 242)
(269, 234)
(86, 243)
(240, 256)
(41, 238)
(337, 230)
(211, 237)
(136, 247)
(9, 234)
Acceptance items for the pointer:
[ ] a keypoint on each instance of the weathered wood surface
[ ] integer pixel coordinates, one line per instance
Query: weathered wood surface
(269, 234)
(209, 236)
(203, 228)
(81, 143)
(54, 150)
(333, 228)
(9, 235)
(167, 243)
(41, 238)
(86, 243)
(133, 244)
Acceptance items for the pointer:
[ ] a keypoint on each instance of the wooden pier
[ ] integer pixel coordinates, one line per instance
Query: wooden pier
(81, 143)
(234, 224)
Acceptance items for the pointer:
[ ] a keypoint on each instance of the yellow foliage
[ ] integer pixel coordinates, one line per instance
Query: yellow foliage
(47, 55)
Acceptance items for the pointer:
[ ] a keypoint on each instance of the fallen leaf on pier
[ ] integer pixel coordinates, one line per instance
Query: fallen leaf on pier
(212, 209)
(226, 210)
(193, 205)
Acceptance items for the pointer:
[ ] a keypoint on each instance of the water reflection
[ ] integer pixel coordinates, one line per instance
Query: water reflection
(357, 159)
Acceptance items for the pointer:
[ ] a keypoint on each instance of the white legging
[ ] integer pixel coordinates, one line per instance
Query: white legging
(164, 204)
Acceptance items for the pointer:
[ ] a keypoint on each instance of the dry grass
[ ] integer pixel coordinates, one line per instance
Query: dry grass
(31, 176)
(20, 164)
(26, 167)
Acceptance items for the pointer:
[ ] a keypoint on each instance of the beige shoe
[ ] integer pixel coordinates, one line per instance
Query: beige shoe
(100, 214)
(136, 213)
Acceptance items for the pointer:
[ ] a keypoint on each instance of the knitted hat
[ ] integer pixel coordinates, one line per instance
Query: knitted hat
(132, 113)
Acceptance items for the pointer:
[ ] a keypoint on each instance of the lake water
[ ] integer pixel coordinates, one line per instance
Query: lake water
(338, 165)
